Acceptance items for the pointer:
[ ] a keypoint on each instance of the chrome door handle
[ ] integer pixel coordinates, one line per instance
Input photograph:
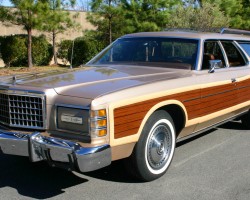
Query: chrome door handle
(233, 80)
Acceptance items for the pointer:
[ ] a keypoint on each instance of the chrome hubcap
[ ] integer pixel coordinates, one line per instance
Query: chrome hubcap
(159, 146)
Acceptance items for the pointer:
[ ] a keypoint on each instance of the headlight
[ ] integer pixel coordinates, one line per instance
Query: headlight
(98, 123)
(73, 119)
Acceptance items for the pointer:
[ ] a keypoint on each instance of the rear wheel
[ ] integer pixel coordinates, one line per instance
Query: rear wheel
(245, 120)
(154, 151)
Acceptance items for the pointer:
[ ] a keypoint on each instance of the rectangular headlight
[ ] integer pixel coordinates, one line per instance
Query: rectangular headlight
(73, 119)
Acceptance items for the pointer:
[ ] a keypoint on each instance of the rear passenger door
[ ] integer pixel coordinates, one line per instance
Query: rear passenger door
(238, 57)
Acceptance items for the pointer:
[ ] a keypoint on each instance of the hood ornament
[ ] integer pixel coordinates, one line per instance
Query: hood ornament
(14, 79)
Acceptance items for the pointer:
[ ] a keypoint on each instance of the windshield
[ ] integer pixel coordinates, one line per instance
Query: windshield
(162, 52)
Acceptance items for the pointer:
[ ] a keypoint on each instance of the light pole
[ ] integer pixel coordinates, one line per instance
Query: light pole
(72, 53)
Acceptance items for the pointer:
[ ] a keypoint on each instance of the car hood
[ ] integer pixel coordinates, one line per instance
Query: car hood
(91, 82)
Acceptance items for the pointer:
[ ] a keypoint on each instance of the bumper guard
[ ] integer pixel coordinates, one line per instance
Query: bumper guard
(57, 152)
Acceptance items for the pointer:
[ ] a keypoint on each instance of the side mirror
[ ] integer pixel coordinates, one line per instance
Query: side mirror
(214, 64)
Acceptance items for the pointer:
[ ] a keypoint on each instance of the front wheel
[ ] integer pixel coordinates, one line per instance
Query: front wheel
(155, 149)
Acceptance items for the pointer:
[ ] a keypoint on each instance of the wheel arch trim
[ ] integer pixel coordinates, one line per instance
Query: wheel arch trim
(135, 137)
(158, 107)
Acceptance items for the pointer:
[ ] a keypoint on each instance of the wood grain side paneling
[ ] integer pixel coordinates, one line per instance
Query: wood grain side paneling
(243, 83)
(198, 103)
(128, 117)
(244, 94)
(217, 89)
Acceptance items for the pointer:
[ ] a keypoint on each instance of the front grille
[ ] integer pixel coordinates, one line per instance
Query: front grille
(25, 111)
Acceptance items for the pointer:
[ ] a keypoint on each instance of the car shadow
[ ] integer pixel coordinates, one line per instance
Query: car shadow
(116, 172)
(40, 181)
(35, 180)
(236, 125)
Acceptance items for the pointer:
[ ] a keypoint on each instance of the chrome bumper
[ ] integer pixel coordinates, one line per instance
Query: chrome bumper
(57, 152)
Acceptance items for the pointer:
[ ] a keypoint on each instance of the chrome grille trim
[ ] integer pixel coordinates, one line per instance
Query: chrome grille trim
(23, 109)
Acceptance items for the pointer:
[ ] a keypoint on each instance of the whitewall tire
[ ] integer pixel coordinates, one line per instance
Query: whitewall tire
(155, 149)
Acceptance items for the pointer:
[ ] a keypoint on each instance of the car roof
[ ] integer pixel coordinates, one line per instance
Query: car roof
(190, 35)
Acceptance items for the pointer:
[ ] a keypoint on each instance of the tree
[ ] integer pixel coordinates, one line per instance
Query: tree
(245, 14)
(108, 18)
(233, 9)
(29, 14)
(205, 18)
(114, 18)
(59, 20)
(150, 15)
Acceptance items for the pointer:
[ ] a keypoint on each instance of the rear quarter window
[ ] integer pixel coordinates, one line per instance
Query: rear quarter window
(234, 56)
(245, 46)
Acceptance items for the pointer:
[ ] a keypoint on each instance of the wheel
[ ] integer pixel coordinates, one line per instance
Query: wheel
(155, 149)
(245, 120)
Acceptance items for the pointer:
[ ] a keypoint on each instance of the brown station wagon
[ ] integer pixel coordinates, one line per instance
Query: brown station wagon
(134, 100)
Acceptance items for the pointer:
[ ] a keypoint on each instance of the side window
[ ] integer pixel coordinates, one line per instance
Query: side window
(234, 56)
(245, 46)
(180, 51)
(212, 51)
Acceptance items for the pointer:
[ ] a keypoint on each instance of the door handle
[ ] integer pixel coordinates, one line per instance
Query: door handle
(233, 80)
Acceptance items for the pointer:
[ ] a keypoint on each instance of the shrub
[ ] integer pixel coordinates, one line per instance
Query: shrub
(63, 50)
(14, 50)
(1, 41)
(42, 51)
(83, 51)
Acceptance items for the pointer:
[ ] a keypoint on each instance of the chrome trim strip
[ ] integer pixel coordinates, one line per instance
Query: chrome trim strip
(99, 128)
(214, 94)
(199, 56)
(210, 127)
(224, 53)
(242, 87)
(19, 91)
(73, 106)
(96, 118)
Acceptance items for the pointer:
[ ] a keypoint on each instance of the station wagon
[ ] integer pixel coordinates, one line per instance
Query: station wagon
(135, 100)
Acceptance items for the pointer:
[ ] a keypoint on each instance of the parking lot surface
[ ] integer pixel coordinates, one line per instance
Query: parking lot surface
(214, 165)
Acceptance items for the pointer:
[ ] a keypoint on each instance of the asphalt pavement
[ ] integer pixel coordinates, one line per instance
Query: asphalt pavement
(214, 165)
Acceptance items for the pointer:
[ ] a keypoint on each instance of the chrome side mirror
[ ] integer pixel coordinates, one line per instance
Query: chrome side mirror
(214, 64)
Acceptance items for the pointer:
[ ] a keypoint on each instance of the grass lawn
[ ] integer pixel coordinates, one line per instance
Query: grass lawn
(20, 70)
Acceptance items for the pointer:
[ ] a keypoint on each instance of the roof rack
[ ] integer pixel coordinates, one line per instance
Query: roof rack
(180, 29)
(234, 31)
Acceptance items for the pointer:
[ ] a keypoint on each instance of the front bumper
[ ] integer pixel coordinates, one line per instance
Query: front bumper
(57, 152)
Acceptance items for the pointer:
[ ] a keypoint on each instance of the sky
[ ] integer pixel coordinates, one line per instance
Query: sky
(5, 3)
